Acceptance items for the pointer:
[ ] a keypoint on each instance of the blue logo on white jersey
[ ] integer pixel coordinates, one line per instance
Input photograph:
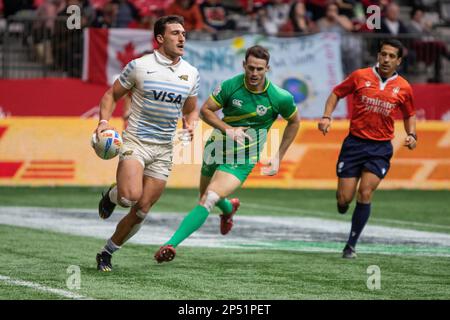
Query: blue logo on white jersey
(167, 96)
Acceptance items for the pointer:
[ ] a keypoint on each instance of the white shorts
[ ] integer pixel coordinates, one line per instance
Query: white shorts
(156, 159)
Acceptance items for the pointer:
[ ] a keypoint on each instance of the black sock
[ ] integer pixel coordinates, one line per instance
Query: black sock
(359, 220)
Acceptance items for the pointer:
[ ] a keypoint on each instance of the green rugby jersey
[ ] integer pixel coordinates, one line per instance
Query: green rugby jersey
(244, 108)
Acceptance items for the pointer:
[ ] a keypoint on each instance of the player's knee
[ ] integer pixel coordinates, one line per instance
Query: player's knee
(127, 203)
(343, 197)
(144, 205)
(365, 195)
(209, 200)
(129, 198)
(147, 200)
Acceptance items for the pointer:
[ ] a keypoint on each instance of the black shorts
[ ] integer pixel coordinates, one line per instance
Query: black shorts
(357, 154)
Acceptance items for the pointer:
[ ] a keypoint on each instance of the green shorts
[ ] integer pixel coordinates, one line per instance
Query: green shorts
(240, 171)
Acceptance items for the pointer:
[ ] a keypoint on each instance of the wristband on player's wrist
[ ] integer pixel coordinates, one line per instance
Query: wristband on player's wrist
(103, 120)
(326, 117)
(413, 135)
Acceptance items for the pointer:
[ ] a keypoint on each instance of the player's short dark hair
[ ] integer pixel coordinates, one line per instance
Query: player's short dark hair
(258, 52)
(160, 24)
(393, 43)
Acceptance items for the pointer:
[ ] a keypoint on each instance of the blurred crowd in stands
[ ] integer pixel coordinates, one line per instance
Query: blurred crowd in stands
(210, 18)
(273, 17)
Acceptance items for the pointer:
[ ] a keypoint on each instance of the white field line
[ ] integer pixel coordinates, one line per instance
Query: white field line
(326, 214)
(250, 230)
(39, 287)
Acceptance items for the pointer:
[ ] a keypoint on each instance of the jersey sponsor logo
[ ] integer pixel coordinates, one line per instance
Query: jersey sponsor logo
(340, 166)
(383, 171)
(184, 77)
(237, 103)
(261, 110)
(167, 96)
(377, 105)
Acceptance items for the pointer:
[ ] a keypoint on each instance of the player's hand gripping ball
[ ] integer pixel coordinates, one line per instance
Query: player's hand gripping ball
(108, 145)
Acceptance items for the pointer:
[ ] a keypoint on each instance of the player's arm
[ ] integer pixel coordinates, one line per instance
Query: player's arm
(343, 89)
(108, 104)
(330, 105)
(190, 114)
(410, 128)
(409, 119)
(208, 114)
(289, 134)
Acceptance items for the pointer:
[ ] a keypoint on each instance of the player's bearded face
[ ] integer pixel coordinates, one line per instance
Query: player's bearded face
(255, 71)
(388, 60)
(174, 39)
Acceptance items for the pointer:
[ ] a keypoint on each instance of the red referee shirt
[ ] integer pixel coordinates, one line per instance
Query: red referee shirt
(375, 103)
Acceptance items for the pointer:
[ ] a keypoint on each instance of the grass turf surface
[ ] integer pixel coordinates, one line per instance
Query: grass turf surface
(201, 273)
(204, 273)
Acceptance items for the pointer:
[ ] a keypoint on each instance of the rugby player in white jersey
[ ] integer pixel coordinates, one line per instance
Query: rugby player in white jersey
(163, 88)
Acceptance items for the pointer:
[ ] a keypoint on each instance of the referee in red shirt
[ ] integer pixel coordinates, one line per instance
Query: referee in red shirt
(378, 92)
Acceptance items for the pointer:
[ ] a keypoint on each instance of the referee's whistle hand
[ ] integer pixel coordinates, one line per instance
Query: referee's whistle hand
(410, 142)
(324, 126)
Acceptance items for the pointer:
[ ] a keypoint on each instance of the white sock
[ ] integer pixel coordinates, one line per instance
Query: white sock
(113, 195)
(110, 247)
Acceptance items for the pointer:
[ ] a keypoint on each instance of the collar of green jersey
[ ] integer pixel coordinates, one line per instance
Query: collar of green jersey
(266, 86)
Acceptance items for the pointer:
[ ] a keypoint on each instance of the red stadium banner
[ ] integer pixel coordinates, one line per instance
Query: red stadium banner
(73, 97)
(432, 101)
(51, 97)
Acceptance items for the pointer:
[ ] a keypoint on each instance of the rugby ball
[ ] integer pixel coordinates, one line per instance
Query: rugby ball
(108, 144)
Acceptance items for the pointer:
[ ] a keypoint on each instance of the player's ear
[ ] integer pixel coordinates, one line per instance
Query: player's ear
(160, 38)
(399, 61)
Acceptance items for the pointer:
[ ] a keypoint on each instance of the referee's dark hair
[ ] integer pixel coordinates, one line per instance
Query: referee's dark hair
(393, 43)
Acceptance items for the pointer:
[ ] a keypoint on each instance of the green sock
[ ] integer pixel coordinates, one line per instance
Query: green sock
(225, 205)
(193, 221)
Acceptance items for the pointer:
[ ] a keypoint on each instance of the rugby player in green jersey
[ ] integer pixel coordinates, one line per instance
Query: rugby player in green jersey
(250, 104)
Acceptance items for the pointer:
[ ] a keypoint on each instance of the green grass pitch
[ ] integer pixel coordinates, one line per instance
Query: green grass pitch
(42, 257)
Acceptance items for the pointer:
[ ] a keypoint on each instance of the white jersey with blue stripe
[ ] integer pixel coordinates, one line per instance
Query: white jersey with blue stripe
(159, 90)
